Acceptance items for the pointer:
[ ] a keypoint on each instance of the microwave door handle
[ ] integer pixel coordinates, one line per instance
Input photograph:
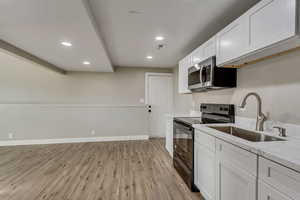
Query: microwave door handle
(201, 70)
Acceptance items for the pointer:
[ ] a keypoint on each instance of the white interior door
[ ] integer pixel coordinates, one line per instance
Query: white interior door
(159, 95)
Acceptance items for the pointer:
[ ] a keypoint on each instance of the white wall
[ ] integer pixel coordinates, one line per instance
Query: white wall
(276, 80)
(36, 103)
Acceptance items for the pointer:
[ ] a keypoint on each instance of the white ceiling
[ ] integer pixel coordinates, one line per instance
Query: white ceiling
(38, 26)
(184, 23)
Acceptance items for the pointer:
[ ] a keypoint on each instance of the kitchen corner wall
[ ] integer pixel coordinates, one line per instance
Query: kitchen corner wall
(36, 103)
(276, 80)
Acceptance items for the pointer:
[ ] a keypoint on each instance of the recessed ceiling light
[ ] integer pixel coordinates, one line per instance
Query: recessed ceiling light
(86, 62)
(67, 44)
(159, 38)
(149, 57)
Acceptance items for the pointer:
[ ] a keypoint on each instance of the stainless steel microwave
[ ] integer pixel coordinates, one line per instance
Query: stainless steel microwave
(207, 76)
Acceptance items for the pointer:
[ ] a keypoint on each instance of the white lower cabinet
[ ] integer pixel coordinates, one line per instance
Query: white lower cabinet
(227, 172)
(266, 192)
(235, 179)
(277, 182)
(169, 134)
(205, 165)
(233, 183)
(223, 171)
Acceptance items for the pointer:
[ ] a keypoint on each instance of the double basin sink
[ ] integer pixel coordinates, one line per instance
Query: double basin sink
(246, 134)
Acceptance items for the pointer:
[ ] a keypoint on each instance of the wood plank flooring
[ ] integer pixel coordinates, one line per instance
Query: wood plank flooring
(133, 170)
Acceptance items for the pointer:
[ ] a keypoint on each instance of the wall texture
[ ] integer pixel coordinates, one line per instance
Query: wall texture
(36, 103)
(276, 80)
(24, 82)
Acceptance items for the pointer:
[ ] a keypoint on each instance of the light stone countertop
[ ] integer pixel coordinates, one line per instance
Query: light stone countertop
(286, 153)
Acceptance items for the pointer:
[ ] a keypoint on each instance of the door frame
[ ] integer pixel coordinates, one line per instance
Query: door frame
(147, 75)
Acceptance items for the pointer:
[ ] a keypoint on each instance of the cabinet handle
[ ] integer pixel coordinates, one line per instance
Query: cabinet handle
(269, 197)
(269, 171)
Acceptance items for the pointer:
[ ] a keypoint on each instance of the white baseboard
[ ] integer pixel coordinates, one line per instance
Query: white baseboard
(73, 140)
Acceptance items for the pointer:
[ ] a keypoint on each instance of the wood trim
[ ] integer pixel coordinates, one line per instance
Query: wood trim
(24, 54)
(263, 58)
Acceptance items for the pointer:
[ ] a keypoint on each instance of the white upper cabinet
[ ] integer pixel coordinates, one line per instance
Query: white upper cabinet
(184, 65)
(233, 41)
(268, 28)
(209, 48)
(203, 52)
(197, 55)
(271, 21)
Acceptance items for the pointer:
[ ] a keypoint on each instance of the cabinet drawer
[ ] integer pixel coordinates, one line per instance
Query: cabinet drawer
(283, 179)
(266, 192)
(205, 140)
(237, 156)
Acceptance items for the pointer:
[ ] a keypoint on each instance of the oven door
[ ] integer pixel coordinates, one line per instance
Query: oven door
(194, 77)
(183, 143)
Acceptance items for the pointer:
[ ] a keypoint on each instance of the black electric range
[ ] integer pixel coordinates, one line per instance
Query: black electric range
(183, 137)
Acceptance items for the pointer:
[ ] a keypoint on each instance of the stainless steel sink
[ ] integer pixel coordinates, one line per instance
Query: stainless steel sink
(245, 134)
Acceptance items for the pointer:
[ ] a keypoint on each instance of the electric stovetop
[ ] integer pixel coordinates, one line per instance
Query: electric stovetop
(189, 120)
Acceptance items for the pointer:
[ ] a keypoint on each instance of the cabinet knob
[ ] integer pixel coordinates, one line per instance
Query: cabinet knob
(269, 197)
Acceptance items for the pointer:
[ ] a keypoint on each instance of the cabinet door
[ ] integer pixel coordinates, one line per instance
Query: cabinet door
(197, 56)
(282, 178)
(233, 41)
(205, 171)
(271, 21)
(266, 192)
(233, 183)
(235, 173)
(209, 48)
(183, 76)
(169, 134)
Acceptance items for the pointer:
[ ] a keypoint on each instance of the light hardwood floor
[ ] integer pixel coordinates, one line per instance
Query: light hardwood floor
(133, 170)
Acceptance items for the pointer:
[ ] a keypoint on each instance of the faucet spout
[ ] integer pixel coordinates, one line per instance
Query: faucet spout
(261, 117)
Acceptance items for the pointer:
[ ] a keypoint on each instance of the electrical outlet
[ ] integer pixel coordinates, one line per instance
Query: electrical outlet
(93, 132)
(10, 135)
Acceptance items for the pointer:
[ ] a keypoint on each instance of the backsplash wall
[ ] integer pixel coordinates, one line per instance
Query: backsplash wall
(276, 80)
